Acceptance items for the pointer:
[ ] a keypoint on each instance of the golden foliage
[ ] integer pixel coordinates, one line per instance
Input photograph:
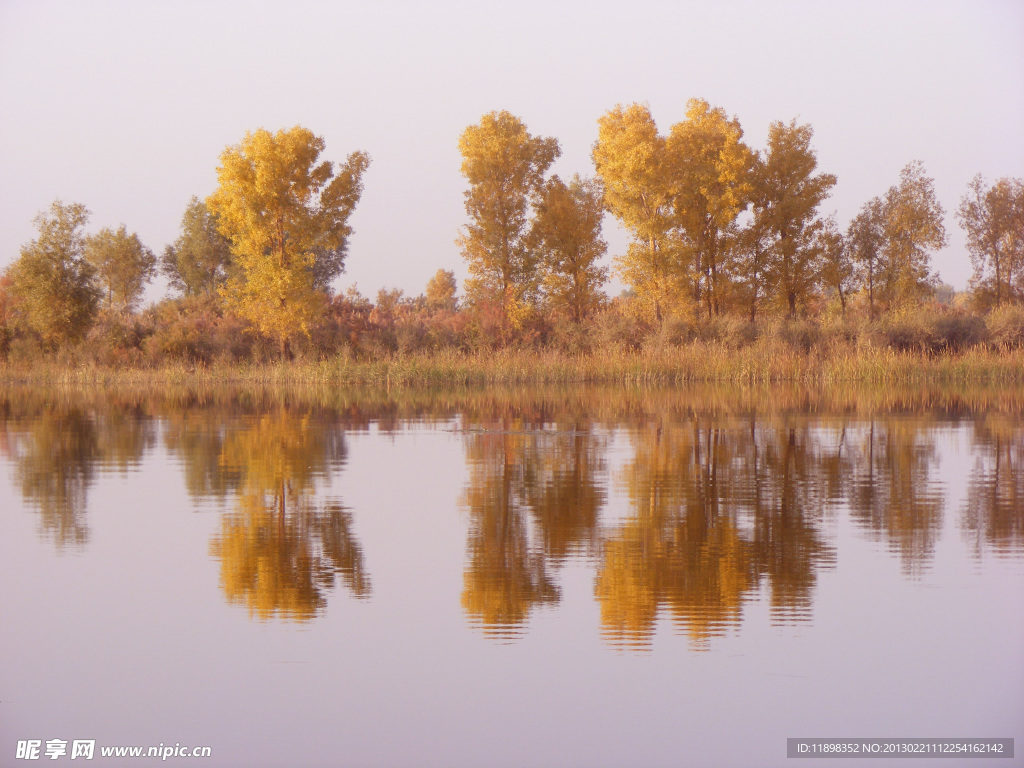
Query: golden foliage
(286, 215)
(505, 166)
(636, 172)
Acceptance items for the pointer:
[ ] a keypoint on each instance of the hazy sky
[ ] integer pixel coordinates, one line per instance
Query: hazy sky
(125, 107)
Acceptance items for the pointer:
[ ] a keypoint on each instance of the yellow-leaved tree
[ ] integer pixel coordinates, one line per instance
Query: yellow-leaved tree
(286, 214)
(787, 193)
(505, 167)
(712, 186)
(637, 176)
(567, 231)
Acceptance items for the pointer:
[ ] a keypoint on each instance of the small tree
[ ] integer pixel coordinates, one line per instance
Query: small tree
(198, 261)
(864, 239)
(994, 221)
(124, 266)
(6, 315)
(837, 271)
(441, 291)
(912, 227)
(51, 283)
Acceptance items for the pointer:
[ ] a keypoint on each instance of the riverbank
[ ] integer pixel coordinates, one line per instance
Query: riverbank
(698, 362)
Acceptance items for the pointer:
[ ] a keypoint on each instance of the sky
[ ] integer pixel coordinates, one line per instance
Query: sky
(126, 106)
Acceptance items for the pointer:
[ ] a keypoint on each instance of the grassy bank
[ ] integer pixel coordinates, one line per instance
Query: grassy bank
(698, 362)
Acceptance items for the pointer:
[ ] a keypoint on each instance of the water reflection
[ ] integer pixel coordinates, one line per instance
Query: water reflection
(538, 472)
(57, 453)
(721, 498)
(717, 508)
(282, 548)
(55, 457)
(196, 439)
(892, 493)
(993, 514)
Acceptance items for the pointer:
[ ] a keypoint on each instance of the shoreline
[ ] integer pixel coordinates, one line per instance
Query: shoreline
(697, 363)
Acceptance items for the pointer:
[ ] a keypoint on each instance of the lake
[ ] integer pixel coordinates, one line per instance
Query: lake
(578, 577)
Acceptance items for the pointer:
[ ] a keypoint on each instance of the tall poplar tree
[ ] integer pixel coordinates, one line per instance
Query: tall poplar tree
(637, 175)
(711, 187)
(505, 166)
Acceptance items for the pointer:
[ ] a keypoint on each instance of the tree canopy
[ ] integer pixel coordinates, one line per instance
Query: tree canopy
(198, 261)
(124, 266)
(52, 283)
(286, 214)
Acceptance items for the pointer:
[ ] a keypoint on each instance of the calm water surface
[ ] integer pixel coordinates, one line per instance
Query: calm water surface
(593, 578)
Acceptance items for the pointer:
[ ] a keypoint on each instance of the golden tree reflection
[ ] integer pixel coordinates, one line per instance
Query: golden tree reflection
(503, 579)
(281, 550)
(716, 509)
(55, 458)
(521, 472)
(993, 514)
(565, 490)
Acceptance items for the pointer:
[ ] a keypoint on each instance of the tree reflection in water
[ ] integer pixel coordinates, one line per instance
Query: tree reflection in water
(522, 472)
(892, 492)
(993, 514)
(58, 451)
(282, 549)
(729, 498)
(718, 508)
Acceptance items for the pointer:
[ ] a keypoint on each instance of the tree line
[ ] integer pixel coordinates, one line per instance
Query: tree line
(716, 229)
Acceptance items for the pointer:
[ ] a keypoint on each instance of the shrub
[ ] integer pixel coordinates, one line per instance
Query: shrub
(903, 331)
(195, 329)
(116, 339)
(931, 329)
(1006, 326)
(799, 333)
(614, 330)
(957, 331)
(733, 332)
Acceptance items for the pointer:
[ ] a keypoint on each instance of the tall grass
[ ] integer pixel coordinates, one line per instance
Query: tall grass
(765, 361)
